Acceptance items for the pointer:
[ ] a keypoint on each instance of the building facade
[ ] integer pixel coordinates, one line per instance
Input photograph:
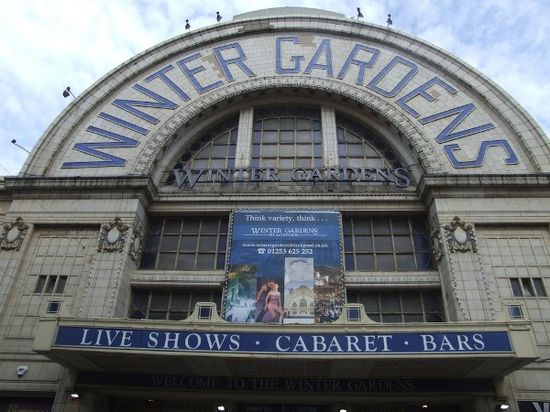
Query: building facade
(291, 211)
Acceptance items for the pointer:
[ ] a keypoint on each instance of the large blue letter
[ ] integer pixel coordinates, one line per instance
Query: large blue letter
(512, 158)
(295, 59)
(190, 73)
(91, 149)
(239, 60)
(324, 47)
(161, 74)
(373, 84)
(362, 65)
(462, 112)
(161, 103)
(423, 91)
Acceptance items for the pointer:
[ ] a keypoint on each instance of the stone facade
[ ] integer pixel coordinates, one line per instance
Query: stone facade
(78, 218)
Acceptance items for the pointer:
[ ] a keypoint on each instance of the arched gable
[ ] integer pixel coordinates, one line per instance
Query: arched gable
(452, 118)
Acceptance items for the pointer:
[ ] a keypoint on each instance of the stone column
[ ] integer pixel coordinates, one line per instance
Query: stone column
(330, 142)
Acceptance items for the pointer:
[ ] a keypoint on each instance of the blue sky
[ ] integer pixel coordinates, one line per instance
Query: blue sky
(49, 45)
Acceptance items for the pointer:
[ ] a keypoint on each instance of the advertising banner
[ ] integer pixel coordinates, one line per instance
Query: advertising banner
(285, 266)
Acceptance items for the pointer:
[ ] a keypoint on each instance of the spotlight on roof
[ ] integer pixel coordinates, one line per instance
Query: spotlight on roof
(67, 92)
(74, 395)
(389, 21)
(14, 142)
(218, 16)
(503, 406)
(425, 406)
(221, 408)
(359, 14)
(187, 25)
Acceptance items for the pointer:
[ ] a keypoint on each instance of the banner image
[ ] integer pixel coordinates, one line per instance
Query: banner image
(285, 266)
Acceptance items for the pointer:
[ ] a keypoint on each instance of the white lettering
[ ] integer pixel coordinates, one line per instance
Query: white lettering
(171, 340)
(278, 343)
(234, 343)
(152, 342)
(463, 342)
(126, 336)
(84, 335)
(300, 344)
(214, 340)
(353, 343)
(446, 342)
(478, 339)
(319, 344)
(385, 340)
(428, 342)
(188, 338)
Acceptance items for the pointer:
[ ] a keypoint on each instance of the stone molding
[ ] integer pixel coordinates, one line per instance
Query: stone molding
(112, 236)
(13, 234)
(460, 236)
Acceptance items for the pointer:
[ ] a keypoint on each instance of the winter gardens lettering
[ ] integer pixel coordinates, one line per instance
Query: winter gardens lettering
(232, 58)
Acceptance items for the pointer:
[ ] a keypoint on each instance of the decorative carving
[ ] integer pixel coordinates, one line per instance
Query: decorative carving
(136, 245)
(460, 236)
(112, 237)
(437, 240)
(13, 234)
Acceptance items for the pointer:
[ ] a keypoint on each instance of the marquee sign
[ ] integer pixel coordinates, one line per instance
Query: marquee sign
(188, 178)
(285, 266)
(439, 109)
(291, 343)
(287, 384)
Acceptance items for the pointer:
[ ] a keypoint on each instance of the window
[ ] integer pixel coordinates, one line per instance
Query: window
(49, 284)
(214, 150)
(386, 244)
(287, 139)
(527, 287)
(185, 244)
(165, 304)
(358, 147)
(399, 307)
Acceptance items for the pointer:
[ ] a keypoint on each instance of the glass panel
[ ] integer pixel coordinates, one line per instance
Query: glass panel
(400, 226)
(350, 262)
(152, 242)
(413, 317)
(186, 261)
(303, 124)
(159, 300)
(411, 302)
(172, 226)
(40, 284)
(169, 242)
(270, 124)
(287, 123)
(191, 226)
(421, 243)
(381, 226)
(527, 287)
(424, 261)
(303, 150)
(539, 287)
(363, 244)
(361, 226)
(287, 137)
(50, 284)
(286, 151)
(516, 288)
(207, 243)
(383, 244)
(60, 286)
(270, 137)
(405, 262)
(402, 244)
(205, 261)
(148, 260)
(166, 261)
(370, 302)
(188, 243)
(385, 262)
(180, 301)
(155, 225)
(391, 318)
(303, 137)
(209, 226)
(348, 243)
(432, 302)
(390, 302)
(364, 262)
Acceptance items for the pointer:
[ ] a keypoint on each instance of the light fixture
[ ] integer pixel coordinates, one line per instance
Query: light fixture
(425, 406)
(389, 21)
(187, 25)
(503, 406)
(67, 92)
(14, 142)
(218, 16)
(221, 408)
(343, 410)
(359, 14)
(74, 395)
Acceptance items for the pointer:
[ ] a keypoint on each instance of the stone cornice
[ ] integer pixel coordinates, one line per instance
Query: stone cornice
(480, 186)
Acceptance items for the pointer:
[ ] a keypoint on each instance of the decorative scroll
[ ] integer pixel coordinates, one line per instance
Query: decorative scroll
(13, 234)
(112, 237)
(460, 236)
(136, 244)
